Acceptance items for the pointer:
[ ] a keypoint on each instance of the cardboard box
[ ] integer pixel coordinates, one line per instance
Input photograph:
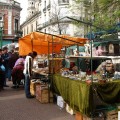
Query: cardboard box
(60, 102)
(78, 116)
(69, 110)
(43, 94)
(33, 84)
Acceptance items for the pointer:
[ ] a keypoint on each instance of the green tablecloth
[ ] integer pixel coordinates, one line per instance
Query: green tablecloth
(78, 94)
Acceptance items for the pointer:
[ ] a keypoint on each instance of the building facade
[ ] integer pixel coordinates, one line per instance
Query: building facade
(50, 16)
(32, 19)
(9, 21)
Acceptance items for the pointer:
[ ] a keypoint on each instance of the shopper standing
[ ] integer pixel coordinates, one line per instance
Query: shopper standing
(28, 72)
(5, 57)
(2, 72)
(11, 62)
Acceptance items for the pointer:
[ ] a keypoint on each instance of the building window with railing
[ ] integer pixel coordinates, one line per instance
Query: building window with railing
(32, 28)
(63, 1)
(27, 30)
(36, 25)
(16, 25)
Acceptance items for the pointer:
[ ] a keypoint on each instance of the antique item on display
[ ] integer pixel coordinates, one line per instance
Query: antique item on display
(111, 48)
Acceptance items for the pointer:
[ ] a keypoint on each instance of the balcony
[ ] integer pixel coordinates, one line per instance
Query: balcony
(49, 6)
(61, 2)
(16, 3)
(44, 10)
(53, 21)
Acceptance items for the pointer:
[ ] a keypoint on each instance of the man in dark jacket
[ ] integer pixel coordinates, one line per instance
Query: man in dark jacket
(5, 57)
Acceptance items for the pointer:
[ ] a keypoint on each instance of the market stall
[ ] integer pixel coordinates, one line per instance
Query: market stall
(47, 45)
(76, 86)
(78, 94)
(81, 89)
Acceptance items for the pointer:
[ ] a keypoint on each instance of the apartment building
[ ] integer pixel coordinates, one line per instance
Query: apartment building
(53, 18)
(50, 16)
(32, 19)
(9, 21)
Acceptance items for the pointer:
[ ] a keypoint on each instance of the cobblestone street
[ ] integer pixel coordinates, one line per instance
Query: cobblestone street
(14, 106)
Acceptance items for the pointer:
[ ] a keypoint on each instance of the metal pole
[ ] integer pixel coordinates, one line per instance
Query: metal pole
(91, 61)
(78, 58)
(32, 37)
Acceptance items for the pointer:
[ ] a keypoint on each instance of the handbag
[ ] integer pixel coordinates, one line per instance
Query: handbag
(2, 68)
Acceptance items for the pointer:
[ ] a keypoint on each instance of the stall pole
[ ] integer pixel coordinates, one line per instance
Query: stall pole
(91, 61)
(32, 41)
(78, 59)
(49, 72)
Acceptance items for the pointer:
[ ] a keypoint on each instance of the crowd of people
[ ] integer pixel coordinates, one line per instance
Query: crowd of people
(14, 68)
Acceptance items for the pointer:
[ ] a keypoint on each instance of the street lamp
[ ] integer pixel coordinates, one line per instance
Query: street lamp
(1, 33)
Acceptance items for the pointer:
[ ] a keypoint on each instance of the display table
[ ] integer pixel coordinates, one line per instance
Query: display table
(78, 94)
(39, 72)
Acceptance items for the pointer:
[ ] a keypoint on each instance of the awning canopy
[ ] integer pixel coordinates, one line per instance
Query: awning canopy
(44, 43)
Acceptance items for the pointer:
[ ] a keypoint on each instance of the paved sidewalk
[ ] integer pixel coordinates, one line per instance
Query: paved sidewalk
(14, 106)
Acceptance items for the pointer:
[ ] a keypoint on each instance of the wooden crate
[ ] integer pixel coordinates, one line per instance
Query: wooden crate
(42, 94)
(33, 87)
(112, 115)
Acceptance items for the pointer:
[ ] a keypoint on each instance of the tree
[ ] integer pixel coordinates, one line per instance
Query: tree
(55, 16)
(102, 13)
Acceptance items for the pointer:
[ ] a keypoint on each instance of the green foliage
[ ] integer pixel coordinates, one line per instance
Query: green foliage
(106, 13)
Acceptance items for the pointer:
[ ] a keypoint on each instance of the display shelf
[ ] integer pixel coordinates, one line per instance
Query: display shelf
(95, 57)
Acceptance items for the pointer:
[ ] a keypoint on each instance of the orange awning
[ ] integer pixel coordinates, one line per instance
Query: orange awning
(38, 42)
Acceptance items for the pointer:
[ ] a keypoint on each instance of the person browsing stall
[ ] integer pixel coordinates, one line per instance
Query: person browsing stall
(28, 65)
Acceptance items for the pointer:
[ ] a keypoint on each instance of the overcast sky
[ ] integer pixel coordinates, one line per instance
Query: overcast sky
(23, 14)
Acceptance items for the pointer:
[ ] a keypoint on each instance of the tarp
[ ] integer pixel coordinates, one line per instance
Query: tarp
(42, 43)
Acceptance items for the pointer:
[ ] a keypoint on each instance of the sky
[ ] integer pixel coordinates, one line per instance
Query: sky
(23, 13)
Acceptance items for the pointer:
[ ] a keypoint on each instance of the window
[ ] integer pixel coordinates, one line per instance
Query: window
(36, 25)
(27, 30)
(63, 1)
(1, 21)
(16, 25)
(32, 28)
(45, 30)
(0, 18)
(44, 3)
